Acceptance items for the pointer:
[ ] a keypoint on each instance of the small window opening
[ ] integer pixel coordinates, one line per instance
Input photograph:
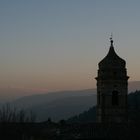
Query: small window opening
(114, 73)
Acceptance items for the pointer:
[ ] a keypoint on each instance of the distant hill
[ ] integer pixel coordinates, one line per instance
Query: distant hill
(11, 93)
(35, 100)
(62, 104)
(64, 108)
(58, 105)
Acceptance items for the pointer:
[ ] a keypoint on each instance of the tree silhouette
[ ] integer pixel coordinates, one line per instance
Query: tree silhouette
(11, 114)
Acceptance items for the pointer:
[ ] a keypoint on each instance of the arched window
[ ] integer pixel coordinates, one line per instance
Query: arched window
(115, 98)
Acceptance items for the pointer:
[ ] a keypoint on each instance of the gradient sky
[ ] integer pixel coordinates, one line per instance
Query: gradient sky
(57, 44)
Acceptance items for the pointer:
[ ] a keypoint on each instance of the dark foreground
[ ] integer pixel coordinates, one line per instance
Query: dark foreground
(63, 131)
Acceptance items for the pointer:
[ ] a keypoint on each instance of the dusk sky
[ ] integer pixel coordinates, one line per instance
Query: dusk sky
(57, 44)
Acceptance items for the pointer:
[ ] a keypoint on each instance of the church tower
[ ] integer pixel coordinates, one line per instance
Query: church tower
(112, 88)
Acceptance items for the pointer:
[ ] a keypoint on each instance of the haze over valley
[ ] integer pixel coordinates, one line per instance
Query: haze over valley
(63, 103)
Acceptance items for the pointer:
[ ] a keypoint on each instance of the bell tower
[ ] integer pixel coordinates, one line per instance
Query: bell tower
(112, 88)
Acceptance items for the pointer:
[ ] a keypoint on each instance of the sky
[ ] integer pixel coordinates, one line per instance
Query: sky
(53, 45)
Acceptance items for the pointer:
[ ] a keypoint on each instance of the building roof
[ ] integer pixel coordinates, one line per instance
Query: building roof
(111, 59)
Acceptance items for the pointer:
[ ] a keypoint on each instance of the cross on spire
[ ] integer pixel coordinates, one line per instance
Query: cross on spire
(111, 39)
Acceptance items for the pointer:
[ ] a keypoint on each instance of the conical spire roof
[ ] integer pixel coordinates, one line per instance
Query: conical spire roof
(112, 59)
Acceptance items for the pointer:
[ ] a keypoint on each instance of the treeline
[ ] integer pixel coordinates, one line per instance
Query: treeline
(134, 106)
(86, 116)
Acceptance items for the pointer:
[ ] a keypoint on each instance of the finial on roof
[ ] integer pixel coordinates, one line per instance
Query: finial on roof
(111, 40)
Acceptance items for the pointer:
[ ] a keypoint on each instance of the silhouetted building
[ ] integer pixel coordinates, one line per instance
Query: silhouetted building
(112, 88)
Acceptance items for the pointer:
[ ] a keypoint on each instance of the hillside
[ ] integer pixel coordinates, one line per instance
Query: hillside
(58, 105)
(133, 110)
